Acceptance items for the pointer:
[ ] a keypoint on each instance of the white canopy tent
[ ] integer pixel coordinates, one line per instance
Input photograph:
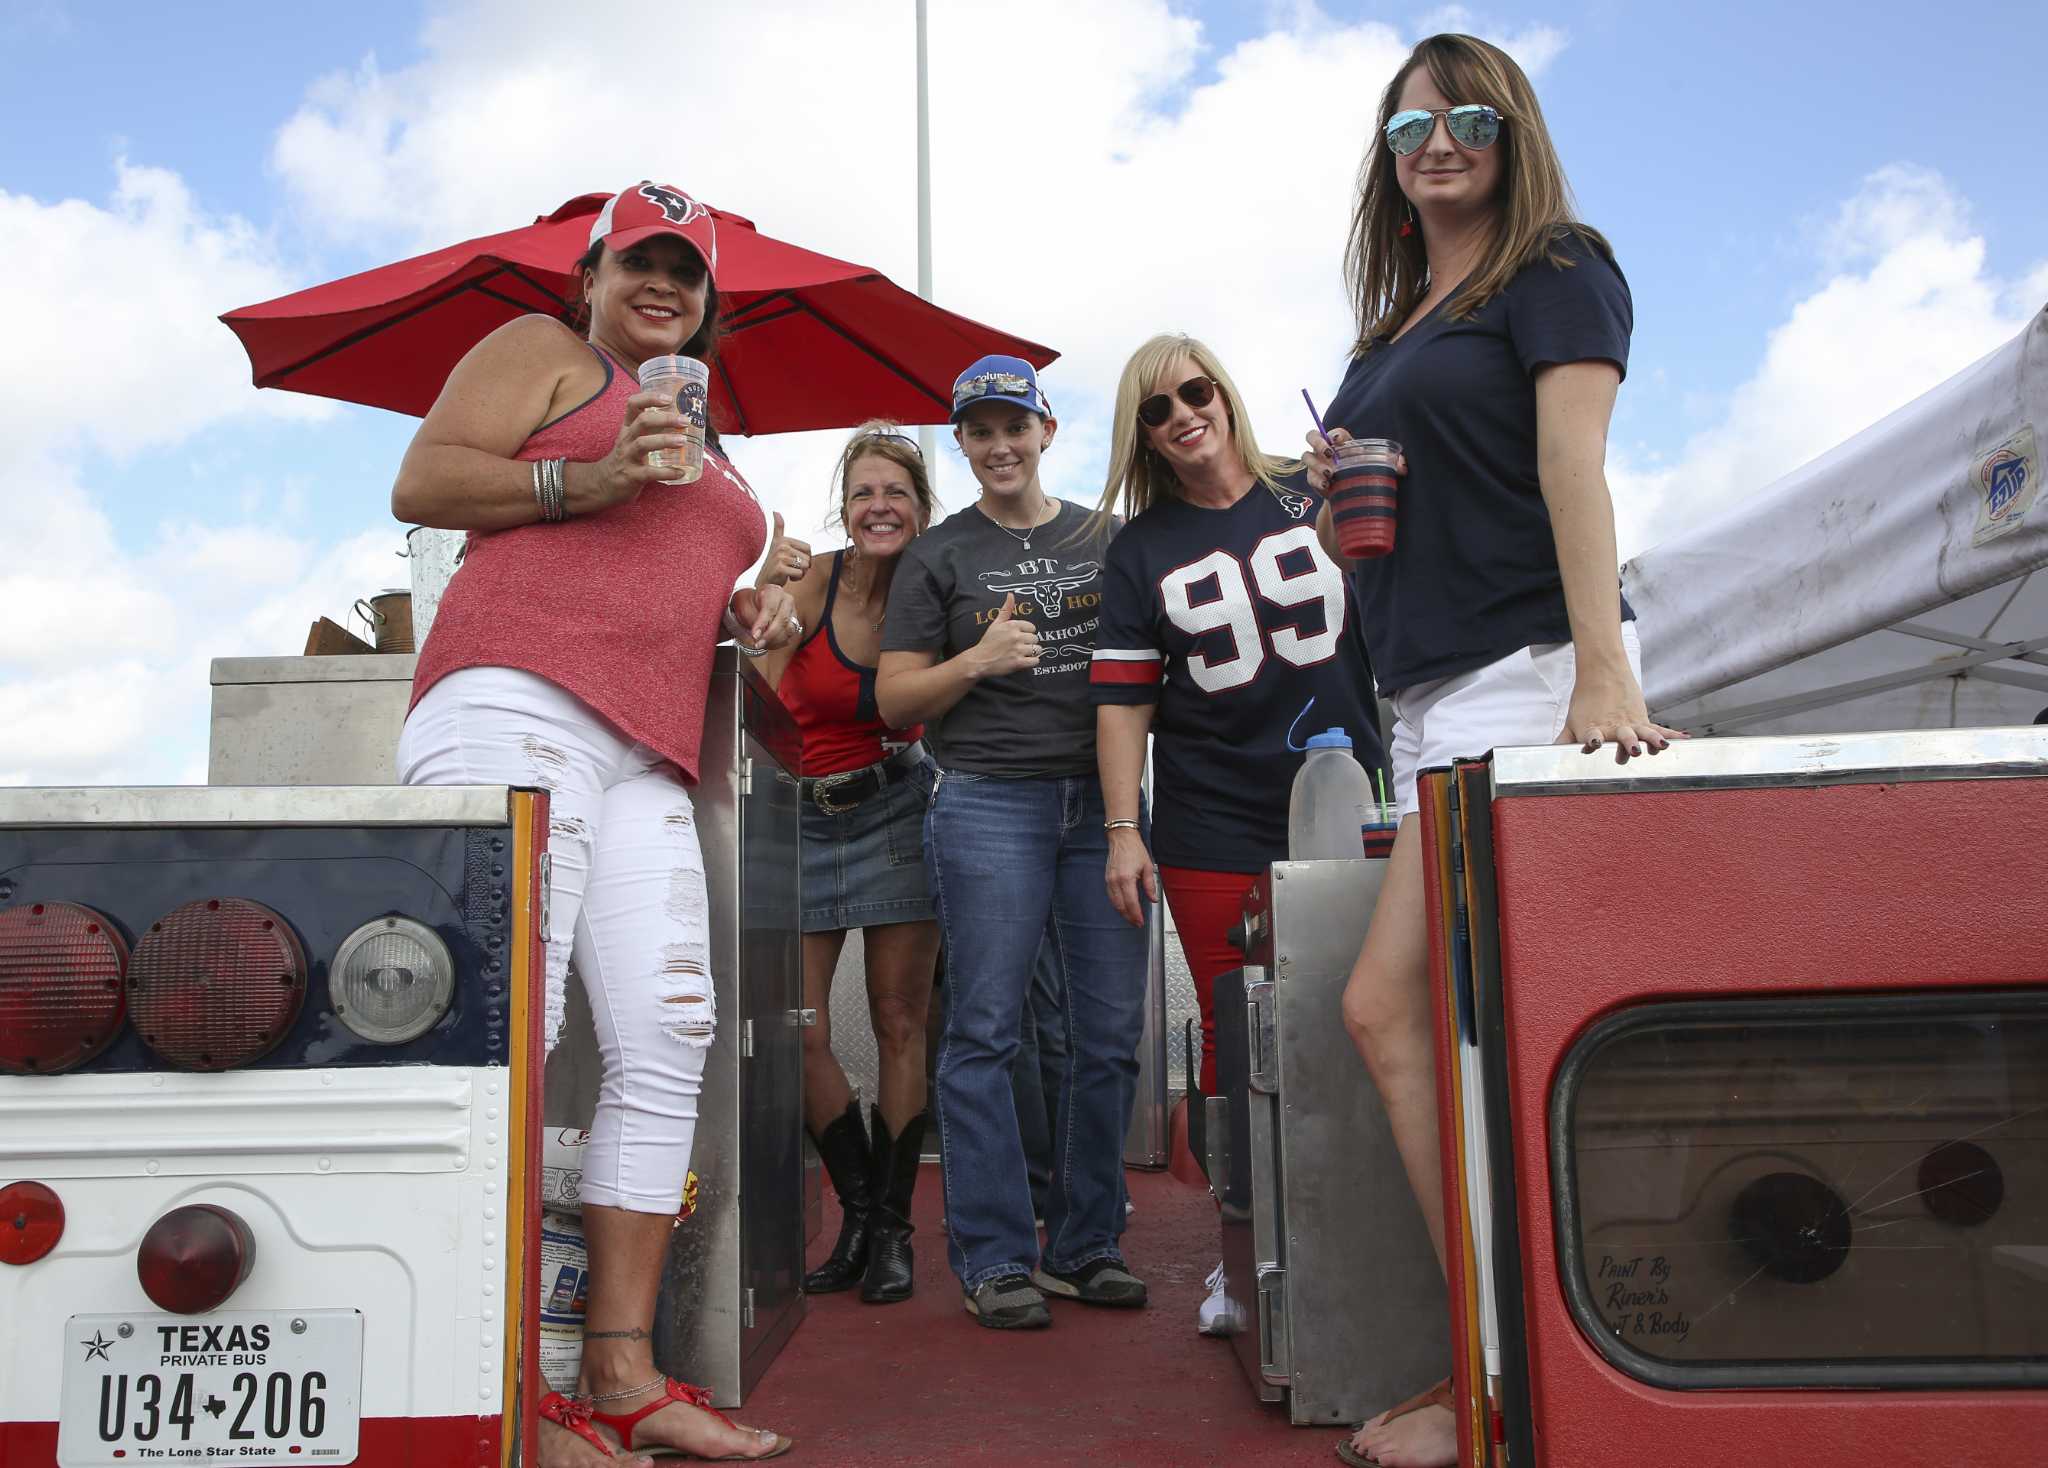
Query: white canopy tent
(1899, 581)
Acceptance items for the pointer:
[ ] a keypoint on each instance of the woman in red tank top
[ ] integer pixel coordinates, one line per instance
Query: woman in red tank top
(865, 786)
(573, 651)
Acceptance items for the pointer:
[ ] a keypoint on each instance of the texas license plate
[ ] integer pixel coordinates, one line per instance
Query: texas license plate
(242, 1386)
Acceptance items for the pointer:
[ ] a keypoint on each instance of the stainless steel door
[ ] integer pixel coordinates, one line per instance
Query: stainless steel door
(1360, 1304)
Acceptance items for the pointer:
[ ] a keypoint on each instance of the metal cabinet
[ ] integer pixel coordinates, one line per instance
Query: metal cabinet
(1337, 1303)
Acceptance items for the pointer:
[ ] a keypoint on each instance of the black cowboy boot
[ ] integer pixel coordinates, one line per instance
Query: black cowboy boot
(844, 1150)
(896, 1161)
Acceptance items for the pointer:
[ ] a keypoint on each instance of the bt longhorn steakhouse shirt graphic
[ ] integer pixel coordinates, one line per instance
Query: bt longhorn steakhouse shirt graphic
(1037, 723)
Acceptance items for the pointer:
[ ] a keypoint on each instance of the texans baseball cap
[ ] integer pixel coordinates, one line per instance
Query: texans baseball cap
(650, 209)
(999, 379)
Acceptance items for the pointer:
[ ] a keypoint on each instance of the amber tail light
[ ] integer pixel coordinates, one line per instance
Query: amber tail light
(216, 983)
(194, 1257)
(61, 996)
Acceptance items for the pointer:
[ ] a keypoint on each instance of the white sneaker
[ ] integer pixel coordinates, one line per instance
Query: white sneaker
(1213, 1318)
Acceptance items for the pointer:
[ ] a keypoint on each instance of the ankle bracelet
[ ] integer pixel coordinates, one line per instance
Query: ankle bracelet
(631, 1391)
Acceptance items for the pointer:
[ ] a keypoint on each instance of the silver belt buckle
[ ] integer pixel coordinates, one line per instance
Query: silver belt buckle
(821, 793)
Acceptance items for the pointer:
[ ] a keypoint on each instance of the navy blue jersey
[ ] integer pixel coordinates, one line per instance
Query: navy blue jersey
(1473, 576)
(1231, 621)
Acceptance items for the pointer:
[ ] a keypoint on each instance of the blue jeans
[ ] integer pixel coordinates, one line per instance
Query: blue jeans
(1014, 863)
(1035, 1079)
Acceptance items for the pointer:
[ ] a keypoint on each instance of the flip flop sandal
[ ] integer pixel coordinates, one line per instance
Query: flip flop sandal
(574, 1414)
(623, 1423)
(1436, 1396)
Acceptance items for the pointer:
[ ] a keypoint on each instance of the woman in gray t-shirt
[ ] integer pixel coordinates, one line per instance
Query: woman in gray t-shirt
(987, 642)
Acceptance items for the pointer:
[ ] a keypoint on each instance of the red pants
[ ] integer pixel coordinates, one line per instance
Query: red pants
(1206, 906)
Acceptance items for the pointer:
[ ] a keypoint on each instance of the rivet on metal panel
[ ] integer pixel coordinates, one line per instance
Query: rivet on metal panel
(298, 1327)
(124, 1330)
(326, 1163)
(151, 1167)
(461, 1161)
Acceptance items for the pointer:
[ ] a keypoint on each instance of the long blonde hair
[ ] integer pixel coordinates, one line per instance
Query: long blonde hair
(1138, 476)
(1388, 273)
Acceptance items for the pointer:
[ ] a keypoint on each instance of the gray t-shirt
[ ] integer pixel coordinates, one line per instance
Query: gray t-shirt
(1035, 723)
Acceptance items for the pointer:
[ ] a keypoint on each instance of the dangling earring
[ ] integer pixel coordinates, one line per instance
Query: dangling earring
(1408, 224)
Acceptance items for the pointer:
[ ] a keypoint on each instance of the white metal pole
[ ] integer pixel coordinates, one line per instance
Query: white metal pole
(927, 437)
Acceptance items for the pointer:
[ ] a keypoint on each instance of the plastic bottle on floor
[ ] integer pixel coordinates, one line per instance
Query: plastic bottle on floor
(1332, 799)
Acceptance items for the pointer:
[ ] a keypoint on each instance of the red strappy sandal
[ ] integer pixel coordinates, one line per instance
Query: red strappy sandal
(574, 1414)
(624, 1423)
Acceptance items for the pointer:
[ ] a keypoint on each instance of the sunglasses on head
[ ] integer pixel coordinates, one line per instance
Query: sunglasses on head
(903, 438)
(1472, 126)
(1196, 392)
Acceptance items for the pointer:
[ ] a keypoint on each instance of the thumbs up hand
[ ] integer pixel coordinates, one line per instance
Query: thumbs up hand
(1009, 644)
(788, 559)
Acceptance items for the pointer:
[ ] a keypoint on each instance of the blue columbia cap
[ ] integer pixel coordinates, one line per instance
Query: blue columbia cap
(999, 380)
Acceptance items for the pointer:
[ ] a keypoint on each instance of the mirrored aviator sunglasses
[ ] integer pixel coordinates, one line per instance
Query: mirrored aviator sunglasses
(1473, 125)
(1196, 392)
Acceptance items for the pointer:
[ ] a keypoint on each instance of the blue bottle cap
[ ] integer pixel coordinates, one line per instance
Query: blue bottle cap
(1329, 739)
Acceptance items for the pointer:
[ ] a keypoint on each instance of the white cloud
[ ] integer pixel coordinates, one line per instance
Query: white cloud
(1906, 302)
(104, 674)
(119, 301)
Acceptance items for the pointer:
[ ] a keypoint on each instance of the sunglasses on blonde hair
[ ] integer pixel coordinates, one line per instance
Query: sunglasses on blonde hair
(1196, 392)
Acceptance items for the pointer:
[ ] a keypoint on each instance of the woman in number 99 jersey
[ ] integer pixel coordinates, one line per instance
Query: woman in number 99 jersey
(1223, 619)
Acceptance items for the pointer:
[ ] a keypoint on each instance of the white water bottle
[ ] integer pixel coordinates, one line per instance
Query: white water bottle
(1331, 801)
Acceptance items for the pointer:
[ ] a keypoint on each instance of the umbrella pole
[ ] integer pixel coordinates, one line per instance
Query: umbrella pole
(928, 440)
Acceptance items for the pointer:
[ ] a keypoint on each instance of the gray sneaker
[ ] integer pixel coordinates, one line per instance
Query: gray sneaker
(1008, 1302)
(1098, 1282)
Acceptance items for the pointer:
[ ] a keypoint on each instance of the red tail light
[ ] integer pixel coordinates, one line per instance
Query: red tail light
(194, 1257)
(60, 986)
(31, 1222)
(216, 984)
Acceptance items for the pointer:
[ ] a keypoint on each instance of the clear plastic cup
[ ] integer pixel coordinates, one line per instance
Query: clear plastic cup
(1364, 483)
(689, 380)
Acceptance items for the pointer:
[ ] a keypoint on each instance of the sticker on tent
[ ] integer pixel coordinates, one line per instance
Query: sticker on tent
(2008, 478)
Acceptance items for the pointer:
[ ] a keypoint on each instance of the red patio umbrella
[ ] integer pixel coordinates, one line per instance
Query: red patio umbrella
(811, 342)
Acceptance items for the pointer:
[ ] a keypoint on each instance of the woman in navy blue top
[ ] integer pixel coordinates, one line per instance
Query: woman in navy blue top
(1493, 333)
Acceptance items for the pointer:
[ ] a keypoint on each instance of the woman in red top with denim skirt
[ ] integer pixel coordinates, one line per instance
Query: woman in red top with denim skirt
(573, 651)
(864, 791)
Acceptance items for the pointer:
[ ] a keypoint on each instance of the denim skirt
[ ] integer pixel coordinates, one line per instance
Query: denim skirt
(865, 867)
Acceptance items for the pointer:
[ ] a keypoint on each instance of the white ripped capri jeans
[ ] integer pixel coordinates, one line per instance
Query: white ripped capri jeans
(627, 899)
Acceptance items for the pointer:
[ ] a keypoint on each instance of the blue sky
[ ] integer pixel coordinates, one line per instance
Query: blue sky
(1772, 176)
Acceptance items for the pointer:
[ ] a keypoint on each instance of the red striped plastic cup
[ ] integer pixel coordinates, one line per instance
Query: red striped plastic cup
(1363, 489)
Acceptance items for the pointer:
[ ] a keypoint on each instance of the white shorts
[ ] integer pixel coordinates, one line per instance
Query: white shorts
(1522, 699)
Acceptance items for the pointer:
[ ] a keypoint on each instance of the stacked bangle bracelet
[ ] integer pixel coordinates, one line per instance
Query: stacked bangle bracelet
(551, 488)
(1119, 825)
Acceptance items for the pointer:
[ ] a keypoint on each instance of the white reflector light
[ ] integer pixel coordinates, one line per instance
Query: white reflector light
(391, 980)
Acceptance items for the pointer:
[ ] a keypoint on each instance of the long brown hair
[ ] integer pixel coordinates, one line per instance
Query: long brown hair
(1138, 476)
(1387, 273)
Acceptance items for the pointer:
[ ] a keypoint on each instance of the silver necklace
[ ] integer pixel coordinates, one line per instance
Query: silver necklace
(1023, 537)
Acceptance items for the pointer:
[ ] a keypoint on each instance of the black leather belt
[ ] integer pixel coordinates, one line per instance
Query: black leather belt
(837, 794)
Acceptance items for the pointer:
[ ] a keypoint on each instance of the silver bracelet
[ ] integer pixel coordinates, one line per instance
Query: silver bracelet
(551, 489)
(1120, 825)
